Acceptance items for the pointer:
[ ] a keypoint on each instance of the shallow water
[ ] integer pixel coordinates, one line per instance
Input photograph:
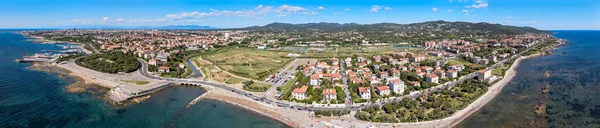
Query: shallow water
(574, 82)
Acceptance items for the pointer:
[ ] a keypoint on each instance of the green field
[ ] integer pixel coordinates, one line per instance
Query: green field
(233, 80)
(500, 70)
(247, 62)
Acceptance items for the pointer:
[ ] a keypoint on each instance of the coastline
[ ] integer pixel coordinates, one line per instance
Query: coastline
(274, 113)
(459, 115)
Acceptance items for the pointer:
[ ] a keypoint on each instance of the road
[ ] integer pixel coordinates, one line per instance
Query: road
(348, 106)
(281, 78)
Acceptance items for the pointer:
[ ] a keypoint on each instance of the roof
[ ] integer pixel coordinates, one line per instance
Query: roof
(432, 76)
(164, 67)
(329, 91)
(301, 89)
(314, 77)
(415, 83)
(382, 88)
(363, 89)
(451, 71)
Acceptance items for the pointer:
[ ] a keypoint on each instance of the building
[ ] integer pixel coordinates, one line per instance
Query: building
(364, 92)
(415, 83)
(152, 62)
(329, 94)
(383, 90)
(484, 74)
(300, 93)
(314, 80)
(432, 78)
(451, 73)
(396, 85)
(164, 69)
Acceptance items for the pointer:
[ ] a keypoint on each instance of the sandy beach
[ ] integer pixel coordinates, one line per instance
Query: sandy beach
(457, 117)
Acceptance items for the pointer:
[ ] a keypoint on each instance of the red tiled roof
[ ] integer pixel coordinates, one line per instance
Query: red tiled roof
(329, 91)
(301, 89)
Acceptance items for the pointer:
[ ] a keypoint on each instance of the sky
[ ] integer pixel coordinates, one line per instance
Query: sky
(541, 14)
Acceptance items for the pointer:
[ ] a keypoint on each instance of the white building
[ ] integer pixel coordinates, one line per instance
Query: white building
(300, 93)
(484, 74)
(364, 92)
(396, 85)
(383, 90)
(432, 78)
(451, 73)
(329, 94)
(314, 80)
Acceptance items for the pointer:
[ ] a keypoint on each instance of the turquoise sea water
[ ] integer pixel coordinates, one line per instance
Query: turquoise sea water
(31, 98)
(572, 75)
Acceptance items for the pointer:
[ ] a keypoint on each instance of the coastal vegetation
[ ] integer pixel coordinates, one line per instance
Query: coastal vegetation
(111, 62)
(427, 107)
(320, 113)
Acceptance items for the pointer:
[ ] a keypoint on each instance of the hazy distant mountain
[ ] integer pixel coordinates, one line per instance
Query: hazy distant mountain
(185, 27)
(440, 26)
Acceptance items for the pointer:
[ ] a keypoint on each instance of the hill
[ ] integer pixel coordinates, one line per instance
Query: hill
(430, 26)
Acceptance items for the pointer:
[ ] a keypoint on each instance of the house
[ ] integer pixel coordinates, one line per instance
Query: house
(337, 83)
(383, 75)
(440, 73)
(164, 69)
(314, 80)
(383, 90)
(152, 62)
(432, 78)
(396, 85)
(300, 93)
(364, 92)
(415, 83)
(451, 73)
(418, 58)
(484, 74)
(329, 94)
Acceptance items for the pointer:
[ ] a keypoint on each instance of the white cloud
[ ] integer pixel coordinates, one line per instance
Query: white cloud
(258, 11)
(375, 8)
(77, 21)
(105, 19)
(120, 20)
(465, 11)
(479, 5)
(509, 17)
(387, 8)
(321, 8)
(467, 14)
(282, 15)
(434, 9)
(449, 10)
(347, 9)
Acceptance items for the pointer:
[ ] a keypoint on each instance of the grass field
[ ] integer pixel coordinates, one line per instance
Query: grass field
(233, 80)
(499, 71)
(138, 82)
(247, 62)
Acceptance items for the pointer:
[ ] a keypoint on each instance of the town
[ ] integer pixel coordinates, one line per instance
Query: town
(402, 76)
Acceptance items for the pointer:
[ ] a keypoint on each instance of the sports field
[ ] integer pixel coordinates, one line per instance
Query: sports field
(248, 62)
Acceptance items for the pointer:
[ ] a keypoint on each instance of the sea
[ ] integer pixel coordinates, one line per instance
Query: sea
(32, 98)
(561, 89)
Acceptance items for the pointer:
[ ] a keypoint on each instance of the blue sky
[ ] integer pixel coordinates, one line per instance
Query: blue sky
(542, 14)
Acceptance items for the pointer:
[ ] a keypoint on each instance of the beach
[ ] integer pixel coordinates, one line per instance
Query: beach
(458, 116)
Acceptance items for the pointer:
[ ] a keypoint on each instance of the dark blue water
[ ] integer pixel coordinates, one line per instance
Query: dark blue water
(573, 78)
(31, 98)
